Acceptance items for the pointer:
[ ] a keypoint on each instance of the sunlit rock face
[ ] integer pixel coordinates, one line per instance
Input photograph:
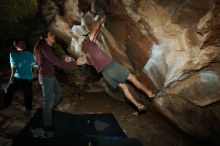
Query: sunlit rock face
(171, 45)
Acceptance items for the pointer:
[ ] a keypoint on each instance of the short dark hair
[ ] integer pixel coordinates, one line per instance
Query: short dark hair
(19, 43)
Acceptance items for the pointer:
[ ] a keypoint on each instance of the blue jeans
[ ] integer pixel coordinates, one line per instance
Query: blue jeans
(51, 96)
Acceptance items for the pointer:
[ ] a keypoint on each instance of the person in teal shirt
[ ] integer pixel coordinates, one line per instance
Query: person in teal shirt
(22, 63)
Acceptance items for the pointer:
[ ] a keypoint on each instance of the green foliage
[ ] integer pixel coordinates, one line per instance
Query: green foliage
(58, 50)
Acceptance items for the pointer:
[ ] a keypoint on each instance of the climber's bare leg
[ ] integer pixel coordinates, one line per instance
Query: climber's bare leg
(132, 78)
(129, 96)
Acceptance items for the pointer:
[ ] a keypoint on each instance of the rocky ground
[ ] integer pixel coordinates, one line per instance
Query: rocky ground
(151, 128)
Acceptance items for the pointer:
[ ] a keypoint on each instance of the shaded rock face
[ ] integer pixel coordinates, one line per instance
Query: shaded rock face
(170, 45)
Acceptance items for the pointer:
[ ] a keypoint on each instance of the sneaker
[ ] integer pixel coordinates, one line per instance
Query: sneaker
(157, 93)
(142, 110)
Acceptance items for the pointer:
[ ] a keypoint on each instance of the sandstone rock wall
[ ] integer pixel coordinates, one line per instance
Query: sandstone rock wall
(170, 45)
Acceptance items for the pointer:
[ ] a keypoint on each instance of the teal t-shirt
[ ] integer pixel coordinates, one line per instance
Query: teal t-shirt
(23, 62)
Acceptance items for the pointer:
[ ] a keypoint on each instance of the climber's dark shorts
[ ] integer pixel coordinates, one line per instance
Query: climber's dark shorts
(115, 73)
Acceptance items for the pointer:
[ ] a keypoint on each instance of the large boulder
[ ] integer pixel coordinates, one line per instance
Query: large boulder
(170, 45)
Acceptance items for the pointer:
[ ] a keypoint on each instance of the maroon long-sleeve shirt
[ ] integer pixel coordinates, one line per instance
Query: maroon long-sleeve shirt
(46, 61)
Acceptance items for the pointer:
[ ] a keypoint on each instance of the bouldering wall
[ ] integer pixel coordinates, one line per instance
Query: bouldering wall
(171, 45)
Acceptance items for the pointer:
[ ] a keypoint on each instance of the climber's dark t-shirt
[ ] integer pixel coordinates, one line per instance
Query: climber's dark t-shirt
(98, 58)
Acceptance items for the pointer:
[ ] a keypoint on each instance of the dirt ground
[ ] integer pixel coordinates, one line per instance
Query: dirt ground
(150, 128)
